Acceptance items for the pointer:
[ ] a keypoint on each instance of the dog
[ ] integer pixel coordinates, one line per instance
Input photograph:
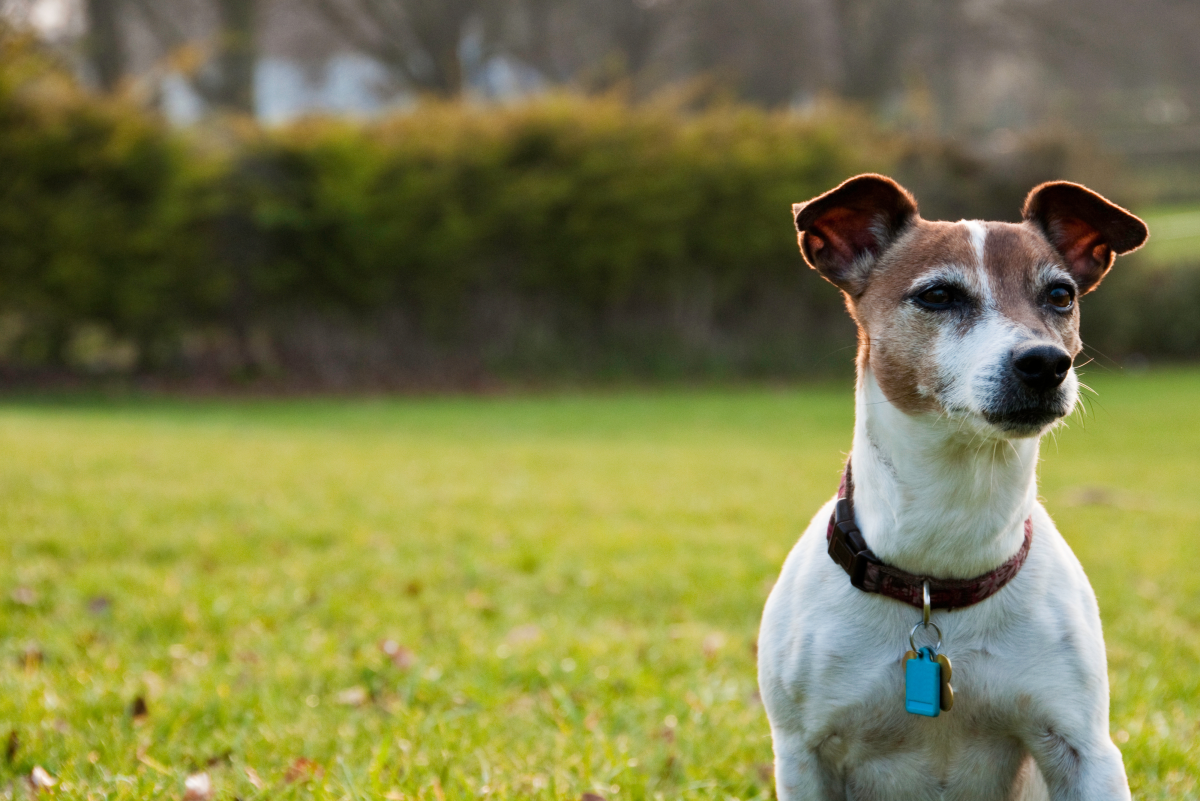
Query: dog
(967, 335)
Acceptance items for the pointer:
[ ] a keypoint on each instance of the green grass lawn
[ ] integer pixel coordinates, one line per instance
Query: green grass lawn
(515, 597)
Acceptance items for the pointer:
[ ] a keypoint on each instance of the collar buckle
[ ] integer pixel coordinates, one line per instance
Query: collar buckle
(858, 568)
(848, 548)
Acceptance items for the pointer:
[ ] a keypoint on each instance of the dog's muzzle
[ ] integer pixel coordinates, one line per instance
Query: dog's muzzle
(1030, 393)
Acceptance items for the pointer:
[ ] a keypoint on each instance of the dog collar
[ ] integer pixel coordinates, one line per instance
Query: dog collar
(869, 574)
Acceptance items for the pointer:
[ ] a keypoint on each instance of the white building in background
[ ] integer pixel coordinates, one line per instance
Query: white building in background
(346, 84)
(304, 67)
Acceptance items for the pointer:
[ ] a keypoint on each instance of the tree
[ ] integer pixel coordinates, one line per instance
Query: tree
(527, 30)
(236, 57)
(635, 27)
(225, 79)
(103, 43)
(762, 49)
(419, 41)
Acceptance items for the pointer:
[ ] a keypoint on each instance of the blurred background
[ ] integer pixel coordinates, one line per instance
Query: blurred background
(413, 194)
(547, 594)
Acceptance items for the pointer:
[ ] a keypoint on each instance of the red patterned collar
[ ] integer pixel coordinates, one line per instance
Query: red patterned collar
(848, 548)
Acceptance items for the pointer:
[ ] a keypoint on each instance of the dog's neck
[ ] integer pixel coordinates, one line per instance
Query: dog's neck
(931, 498)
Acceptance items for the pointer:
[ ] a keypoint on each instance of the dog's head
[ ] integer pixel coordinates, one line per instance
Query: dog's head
(978, 321)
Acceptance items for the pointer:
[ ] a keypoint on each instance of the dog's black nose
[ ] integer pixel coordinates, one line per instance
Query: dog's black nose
(1041, 367)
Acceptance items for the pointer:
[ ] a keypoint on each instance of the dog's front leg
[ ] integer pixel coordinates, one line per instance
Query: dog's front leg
(1074, 771)
(800, 774)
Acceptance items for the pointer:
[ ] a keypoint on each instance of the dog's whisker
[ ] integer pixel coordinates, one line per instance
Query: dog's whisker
(1098, 352)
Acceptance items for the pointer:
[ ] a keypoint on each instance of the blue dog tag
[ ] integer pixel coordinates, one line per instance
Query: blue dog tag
(923, 684)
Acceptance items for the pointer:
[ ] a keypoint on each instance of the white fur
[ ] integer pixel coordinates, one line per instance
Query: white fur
(946, 496)
(978, 237)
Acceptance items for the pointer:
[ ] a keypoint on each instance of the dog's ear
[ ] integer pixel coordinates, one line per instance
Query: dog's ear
(844, 231)
(1088, 230)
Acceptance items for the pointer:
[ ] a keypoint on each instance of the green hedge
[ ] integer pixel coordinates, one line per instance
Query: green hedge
(87, 202)
(567, 235)
(592, 201)
(599, 219)
(1147, 312)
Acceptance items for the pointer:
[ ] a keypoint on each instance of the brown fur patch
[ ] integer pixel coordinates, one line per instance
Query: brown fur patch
(1013, 257)
(894, 337)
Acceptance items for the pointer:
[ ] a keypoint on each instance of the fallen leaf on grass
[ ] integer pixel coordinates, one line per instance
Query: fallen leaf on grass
(529, 632)
(32, 657)
(522, 704)
(532, 782)
(401, 657)
(24, 596)
(303, 770)
(591, 797)
(40, 779)
(477, 600)
(254, 778)
(712, 644)
(197, 787)
(217, 759)
(352, 696)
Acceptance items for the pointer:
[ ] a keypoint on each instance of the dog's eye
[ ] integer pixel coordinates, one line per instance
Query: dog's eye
(1060, 297)
(938, 297)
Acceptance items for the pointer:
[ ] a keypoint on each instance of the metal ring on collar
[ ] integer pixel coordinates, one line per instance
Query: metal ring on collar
(912, 636)
(925, 600)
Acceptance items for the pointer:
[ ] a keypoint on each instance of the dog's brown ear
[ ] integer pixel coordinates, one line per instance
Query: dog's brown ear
(1088, 230)
(844, 231)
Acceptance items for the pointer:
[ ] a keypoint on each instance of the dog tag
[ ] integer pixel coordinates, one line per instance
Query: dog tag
(923, 684)
(947, 692)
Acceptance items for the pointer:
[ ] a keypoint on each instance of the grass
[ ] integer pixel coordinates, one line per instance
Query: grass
(1174, 235)
(570, 586)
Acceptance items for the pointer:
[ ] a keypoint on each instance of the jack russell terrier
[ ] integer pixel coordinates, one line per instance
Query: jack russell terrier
(936, 561)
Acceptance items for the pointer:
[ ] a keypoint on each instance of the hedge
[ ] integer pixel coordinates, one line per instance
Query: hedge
(580, 222)
(569, 235)
(86, 202)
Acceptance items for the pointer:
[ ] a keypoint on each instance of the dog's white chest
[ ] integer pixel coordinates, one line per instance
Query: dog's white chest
(872, 747)
(1029, 677)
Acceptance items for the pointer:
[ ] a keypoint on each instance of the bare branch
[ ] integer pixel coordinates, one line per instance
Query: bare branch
(164, 26)
(352, 27)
